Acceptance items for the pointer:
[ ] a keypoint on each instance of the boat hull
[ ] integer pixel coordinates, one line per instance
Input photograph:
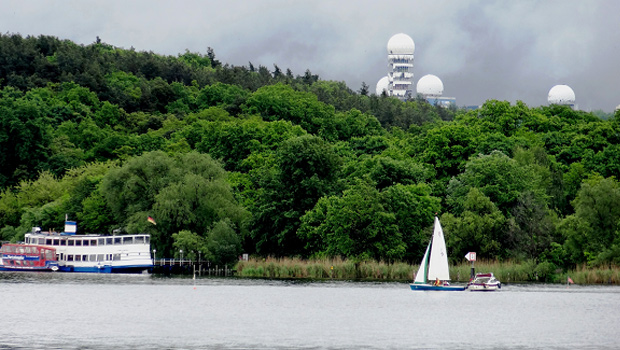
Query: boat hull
(488, 287)
(26, 268)
(105, 269)
(484, 282)
(430, 287)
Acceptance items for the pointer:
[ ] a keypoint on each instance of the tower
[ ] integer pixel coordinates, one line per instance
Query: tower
(400, 49)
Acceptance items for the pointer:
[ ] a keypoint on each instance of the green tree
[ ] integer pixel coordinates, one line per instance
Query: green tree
(185, 192)
(413, 207)
(355, 225)
(481, 228)
(593, 231)
(498, 177)
(305, 170)
(223, 244)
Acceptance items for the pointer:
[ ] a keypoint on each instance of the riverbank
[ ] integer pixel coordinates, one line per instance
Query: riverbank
(341, 269)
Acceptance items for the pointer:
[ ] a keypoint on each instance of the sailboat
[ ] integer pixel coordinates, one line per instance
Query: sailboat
(433, 273)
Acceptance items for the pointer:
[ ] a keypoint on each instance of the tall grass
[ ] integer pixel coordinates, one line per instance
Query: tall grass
(584, 275)
(336, 268)
(343, 269)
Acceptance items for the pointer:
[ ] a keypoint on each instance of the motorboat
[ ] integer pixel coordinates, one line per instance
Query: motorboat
(484, 282)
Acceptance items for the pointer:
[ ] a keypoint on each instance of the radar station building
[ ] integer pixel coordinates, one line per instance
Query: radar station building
(431, 87)
(400, 49)
(399, 80)
(561, 95)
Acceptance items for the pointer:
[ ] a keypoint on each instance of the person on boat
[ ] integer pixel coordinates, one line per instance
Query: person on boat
(437, 282)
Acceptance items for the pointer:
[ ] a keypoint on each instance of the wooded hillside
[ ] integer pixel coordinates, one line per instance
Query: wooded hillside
(230, 159)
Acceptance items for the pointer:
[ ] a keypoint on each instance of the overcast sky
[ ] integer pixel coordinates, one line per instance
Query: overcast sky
(480, 49)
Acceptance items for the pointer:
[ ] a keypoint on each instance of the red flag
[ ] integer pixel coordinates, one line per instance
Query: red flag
(570, 281)
(150, 219)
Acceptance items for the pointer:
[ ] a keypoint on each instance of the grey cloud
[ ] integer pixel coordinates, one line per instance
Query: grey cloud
(481, 50)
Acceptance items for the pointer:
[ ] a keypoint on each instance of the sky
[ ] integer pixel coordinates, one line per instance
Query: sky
(480, 49)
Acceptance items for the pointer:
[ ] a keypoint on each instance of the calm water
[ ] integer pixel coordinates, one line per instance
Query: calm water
(87, 311)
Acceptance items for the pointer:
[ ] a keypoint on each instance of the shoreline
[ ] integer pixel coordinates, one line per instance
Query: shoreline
(343, 269)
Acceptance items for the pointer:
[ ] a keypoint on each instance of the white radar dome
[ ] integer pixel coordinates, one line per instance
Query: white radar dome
(382, 85)
(561, 95)
(430, 85)
(400, 44)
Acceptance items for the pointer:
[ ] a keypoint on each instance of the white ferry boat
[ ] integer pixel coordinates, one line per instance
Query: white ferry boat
(95, 252)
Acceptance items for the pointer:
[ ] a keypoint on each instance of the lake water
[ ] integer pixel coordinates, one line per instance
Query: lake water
(89, 311)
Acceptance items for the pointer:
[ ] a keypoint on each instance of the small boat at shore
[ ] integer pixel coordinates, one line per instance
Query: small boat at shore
(27, 257)
(434, 274)
(484, 282)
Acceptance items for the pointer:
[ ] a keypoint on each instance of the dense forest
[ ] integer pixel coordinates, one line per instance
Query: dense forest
(238, 159)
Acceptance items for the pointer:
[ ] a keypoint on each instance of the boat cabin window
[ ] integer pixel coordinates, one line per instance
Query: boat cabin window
(116, 257)
(117, 240)
(101, 241)
(109, 241)
(139, 239)
(78, 242)
(86, 242)
(93, 242)
(70, 242)
(63, 242)
(48, 241)
(127, 240)
(99, 257)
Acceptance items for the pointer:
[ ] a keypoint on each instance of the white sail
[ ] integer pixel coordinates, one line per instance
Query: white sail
(420, 277)
(438, 262)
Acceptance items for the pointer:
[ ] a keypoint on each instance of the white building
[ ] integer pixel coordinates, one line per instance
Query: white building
(561, 95)
(383, 85)
(400, 49)
(431, 87)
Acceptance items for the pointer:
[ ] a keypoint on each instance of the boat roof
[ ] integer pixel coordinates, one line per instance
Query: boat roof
(486, 274)
(88, 235)
(22, 244)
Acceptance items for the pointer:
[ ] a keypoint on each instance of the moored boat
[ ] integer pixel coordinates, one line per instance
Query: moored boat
(94, 252)
(434, 274)
(26, 257)
(484, 282)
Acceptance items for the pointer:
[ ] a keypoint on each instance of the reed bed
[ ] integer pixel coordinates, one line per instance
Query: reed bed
(343, 269)
(336, 268)
(585, 275)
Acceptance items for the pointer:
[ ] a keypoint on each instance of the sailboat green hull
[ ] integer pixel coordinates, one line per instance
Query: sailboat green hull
(423, 286)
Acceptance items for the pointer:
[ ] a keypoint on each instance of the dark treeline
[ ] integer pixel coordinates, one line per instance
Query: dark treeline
(231, 159)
